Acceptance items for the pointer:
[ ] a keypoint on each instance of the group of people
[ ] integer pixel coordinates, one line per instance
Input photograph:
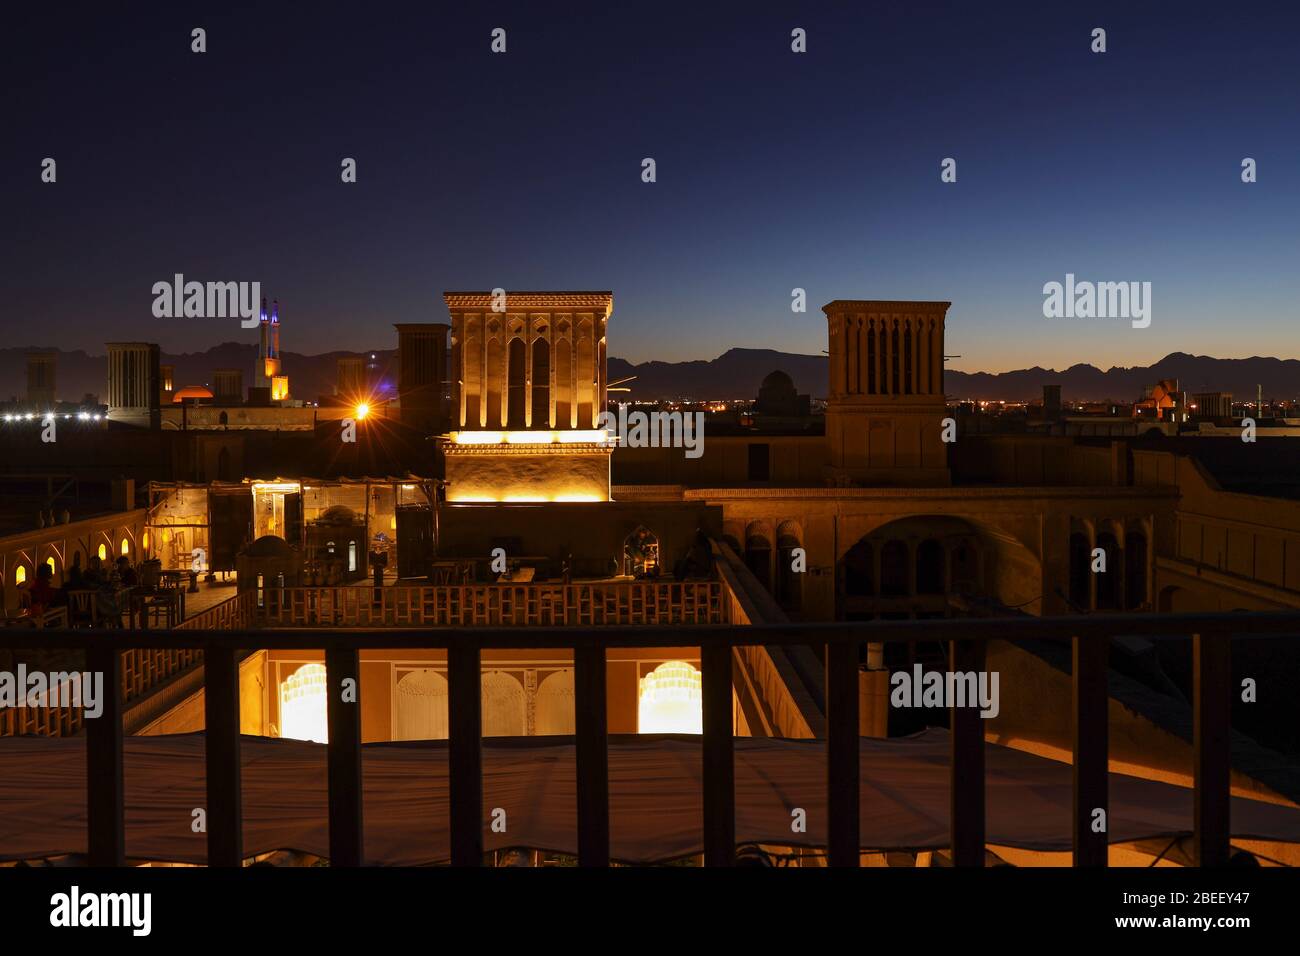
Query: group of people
(106, 582)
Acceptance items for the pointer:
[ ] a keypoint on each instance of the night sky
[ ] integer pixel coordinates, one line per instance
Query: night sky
(775, 170)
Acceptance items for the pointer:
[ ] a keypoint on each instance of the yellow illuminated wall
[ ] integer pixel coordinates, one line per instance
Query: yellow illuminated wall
(670, 700)
(515, 472)
(303, 714)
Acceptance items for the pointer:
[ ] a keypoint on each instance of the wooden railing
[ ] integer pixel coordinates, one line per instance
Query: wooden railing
(142, 671)
(594, 604)
(966, 639)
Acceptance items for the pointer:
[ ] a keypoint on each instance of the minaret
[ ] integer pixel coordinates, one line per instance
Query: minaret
(275, 331)
(260, 378)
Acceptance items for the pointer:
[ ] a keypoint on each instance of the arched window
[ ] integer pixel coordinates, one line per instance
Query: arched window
(893, 569)
(965, 570)
(869, 331)
(125, 547)
(896, 360)
(421, 712)
(1135, 570)
(554, 704)
(20, 575)
(518, 393)
(789, 582)
(641, 557)
(1108, 583)
(103, 552)
(758, 558)
(503, 705)
(1080, 572)
(908, 346)
(670, 700)
(541, 384)
(564, 383)
(303, 705)
(858, 571)
(929, 567)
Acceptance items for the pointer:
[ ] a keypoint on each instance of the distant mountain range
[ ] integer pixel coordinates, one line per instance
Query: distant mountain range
(735, 374)
(738, 372)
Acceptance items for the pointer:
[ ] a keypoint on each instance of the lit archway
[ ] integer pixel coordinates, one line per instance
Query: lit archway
(422, 711)
(670, 700)
(504, 709)
(555, 705)
(303, 714)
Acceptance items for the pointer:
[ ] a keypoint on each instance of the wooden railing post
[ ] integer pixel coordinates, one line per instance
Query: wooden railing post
(343, 710)
(1091, 698)
(843, 809)
(105, 800)
(719, 755)
(967, 767)
(221, 736)
(592, 756)
(1212, 721)
(465, 754)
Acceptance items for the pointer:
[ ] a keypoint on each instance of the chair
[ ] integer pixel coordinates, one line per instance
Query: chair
(82, 610)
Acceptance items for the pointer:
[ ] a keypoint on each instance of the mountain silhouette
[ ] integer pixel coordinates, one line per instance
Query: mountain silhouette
(735, 374)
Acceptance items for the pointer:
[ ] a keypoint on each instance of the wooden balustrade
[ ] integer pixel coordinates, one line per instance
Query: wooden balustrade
(477, 605)
(141, 669)
(1090, 635)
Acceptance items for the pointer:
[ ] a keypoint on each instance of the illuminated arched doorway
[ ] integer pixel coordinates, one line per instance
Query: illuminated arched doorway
(504, 709)
(421, 711)
(670, 700)
(303, 705)
(554, 713)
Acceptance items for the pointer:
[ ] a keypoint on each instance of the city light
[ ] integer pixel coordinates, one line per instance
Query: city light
(361, 411)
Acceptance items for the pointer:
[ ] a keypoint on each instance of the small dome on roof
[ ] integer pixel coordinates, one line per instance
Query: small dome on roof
(190, 391)
(779, 380)
(269, 546)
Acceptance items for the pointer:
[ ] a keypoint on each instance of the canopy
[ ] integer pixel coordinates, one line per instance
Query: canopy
(655, 797)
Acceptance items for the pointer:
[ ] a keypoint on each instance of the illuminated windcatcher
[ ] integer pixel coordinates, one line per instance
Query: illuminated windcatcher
(530, 385)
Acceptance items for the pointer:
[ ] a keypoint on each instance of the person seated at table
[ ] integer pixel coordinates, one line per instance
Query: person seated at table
(126, 573)
(698, 562)
(42, 594)
(94, 578)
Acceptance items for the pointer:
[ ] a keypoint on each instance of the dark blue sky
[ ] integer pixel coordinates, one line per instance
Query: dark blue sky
(775, 170)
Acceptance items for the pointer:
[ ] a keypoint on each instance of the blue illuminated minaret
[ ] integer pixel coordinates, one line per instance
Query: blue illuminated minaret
(275, 331)
(260, 377)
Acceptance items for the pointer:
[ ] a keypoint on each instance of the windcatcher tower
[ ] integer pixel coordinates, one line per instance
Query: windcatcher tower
(422, 375)
(528, 389)
(40, 379)
(886, 407)
(134, 375)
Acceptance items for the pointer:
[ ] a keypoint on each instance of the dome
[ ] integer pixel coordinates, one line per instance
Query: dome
(338, 514)
(269, 546)
(778, 380)
(191, 391)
